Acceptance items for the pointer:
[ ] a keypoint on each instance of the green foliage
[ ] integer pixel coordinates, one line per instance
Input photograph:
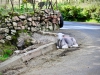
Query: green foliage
(22, 9)
(96, 15)
(7, 51)
(84, 12)
(2, 58)
(85, 15)
(71, 13)
(92, 21)
(75, 13)
(81, 1)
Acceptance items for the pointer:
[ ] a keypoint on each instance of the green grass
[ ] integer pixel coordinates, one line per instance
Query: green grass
(7, 51)
(92, 21)
(21, 10)
(3, 58)
(1, 73)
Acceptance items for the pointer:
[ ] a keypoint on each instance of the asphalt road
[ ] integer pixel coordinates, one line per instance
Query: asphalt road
(80, 61)
(81, 25)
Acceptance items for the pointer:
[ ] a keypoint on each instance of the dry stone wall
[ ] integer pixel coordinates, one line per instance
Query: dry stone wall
(42, 20)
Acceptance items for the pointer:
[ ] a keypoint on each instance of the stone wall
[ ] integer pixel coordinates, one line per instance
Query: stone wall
(42, 20)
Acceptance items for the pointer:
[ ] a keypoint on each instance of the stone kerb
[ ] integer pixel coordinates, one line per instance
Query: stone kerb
(39, 51)
(18, 60)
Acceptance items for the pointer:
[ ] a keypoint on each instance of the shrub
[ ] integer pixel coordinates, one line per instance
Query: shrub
(84, 15)
(96, 15)
(63, 12)
(66, 11)
(74, 13)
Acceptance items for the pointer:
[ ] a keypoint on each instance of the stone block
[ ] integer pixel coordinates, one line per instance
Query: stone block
(20, 23)
(14, 24)
(31, 54)
(55, 16)
(15, 18)
(48, 48)
(29, 19)
(22, 17)
(9, 24)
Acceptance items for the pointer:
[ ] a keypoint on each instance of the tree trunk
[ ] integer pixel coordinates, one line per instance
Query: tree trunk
(19, 4)
(1, 1)
(33, 3)
(12, 5)
(26, 7)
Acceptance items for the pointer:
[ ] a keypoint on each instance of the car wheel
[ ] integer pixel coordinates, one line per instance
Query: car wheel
(61, 22)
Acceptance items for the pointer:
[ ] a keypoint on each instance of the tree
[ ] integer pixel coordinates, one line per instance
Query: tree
(19, 4)
(12, 4)
(33, 3)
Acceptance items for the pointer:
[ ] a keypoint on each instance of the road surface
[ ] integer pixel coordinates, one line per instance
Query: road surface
(84, 60)
(81, 25)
